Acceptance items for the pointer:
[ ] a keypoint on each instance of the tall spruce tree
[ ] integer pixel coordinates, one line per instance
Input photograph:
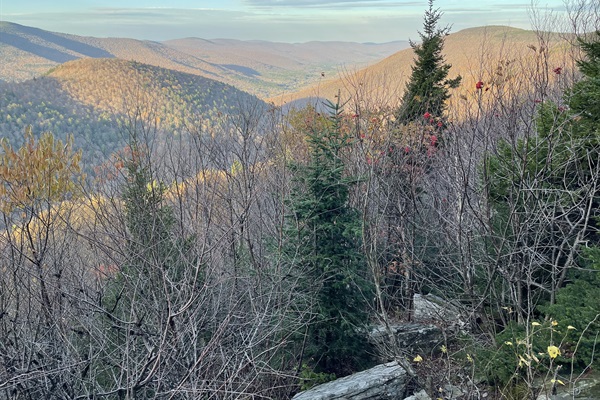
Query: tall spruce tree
(324, 251)
(428, 87)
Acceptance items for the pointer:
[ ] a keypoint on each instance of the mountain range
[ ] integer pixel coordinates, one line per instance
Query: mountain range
(263, 68)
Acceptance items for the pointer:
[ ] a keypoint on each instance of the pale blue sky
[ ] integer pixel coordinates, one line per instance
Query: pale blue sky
(275, 20)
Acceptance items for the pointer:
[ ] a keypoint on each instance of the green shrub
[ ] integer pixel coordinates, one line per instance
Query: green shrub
(309, 378)
(578, 306)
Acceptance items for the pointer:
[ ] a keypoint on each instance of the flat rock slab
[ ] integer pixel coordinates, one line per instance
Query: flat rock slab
(385, 381)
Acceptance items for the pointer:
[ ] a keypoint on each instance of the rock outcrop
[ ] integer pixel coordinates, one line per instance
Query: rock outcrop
(424, 336)
(384, 381)
(411, 338)
(430, 308)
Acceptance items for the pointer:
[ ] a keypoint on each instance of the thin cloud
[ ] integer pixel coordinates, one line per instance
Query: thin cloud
(138, 16)
(346, 4)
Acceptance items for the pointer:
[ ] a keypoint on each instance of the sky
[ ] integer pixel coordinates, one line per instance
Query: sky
(275, 20)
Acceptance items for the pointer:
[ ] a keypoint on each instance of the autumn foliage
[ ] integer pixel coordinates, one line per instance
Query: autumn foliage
(39, 170)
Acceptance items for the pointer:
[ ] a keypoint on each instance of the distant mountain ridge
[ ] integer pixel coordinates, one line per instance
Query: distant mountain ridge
(263, 68)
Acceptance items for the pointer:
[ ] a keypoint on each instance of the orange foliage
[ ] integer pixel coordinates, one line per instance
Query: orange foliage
(45, 170)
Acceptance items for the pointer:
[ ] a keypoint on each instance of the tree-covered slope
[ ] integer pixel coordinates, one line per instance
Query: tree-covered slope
(91, 99)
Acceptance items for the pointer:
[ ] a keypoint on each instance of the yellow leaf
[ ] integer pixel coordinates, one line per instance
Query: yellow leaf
(571, 327)
(554, 323)
(444, 349)
(557, 381)
(553, 351)
(418, 358)
(535, 323)
(508, 343)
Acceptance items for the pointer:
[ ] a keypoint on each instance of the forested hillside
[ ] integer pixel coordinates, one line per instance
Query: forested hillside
(223, 248)
(92, 99)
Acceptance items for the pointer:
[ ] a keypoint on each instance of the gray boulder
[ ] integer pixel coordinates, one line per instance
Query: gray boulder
(422, 395)
(430, 308)
(385, 381)
(411, 339)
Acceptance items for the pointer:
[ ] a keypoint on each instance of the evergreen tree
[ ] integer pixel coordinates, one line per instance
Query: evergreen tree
(544, 191)
(571, 138)
(428, 87)
(578, 304)
(584, 104)
(142, 298)
(324, 233)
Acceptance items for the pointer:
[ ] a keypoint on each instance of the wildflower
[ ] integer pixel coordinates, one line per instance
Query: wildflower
(469, 358)
(557, 70)
(508, 343)
(554, 323)
(479, 85)
(439, 124)
(418, 358)
(433, 140)
(553, 351)
(444, 349)
(355, 116)
(427, 115)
